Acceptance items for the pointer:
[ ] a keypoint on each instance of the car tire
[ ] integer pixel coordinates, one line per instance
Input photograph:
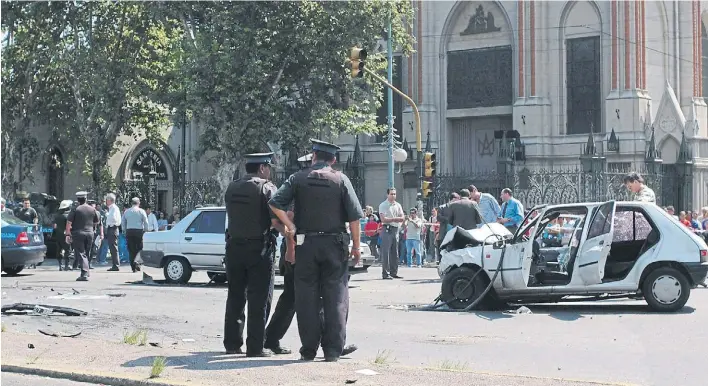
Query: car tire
(666, 289)
(177, 270)
(455, 290)
(13, 270)
(216, 277)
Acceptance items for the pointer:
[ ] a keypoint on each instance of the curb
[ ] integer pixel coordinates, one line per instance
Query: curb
(85, 377)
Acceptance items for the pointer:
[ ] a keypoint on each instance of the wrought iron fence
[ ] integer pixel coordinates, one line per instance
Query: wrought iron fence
(572, 185)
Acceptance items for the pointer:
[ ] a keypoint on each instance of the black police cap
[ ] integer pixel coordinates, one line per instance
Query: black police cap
(259, 158)
(326, 147)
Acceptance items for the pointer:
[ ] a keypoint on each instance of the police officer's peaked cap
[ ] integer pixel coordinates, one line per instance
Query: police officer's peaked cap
(81, 194)
(259, 158)
(326, 147)
(305, 158)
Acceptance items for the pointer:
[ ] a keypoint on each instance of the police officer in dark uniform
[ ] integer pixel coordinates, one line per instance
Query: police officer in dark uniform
(250, 251)
(285, 308)
(324, 200)
(60, 220)
(79, 232)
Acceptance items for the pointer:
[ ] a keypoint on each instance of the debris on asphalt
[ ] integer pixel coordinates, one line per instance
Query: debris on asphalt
(403, 307)
(189, 340)
(42, 310)
(349, 381)
(75, 291)
(366, 372)
(155, 344)
(116, 295)
(32, 308)
(30, 346)
(60, 334)
(519, 311)
(27, 288)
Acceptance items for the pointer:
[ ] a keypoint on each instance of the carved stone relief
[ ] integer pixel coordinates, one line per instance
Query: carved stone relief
(479, 23)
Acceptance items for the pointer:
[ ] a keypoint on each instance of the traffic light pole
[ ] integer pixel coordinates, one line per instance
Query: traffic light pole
(416, 113)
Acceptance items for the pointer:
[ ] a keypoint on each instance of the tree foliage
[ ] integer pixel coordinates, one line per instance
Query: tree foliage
(250, 73)
(275, 72)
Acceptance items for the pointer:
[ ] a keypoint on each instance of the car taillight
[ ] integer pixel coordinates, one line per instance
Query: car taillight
(704, 255)
(22, 238)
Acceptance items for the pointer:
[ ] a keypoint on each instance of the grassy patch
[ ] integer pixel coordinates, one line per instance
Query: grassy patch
(136, 338)
(383, 357)
(3, 328)
(158, 366)
(448, 365)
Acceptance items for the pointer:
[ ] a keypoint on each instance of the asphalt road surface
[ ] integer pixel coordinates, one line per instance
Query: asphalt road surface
(10, 379)
(614, 341)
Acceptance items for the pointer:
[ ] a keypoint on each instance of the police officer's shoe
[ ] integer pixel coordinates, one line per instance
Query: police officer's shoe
(263, 354)
(349, 349)
(397, 277)
(306, 359)
(113, 269)
(234, 351)
(278, 350)
(332, 359)
(82, 278)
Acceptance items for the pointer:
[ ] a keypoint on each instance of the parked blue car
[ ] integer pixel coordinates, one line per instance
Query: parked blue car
(22, 244)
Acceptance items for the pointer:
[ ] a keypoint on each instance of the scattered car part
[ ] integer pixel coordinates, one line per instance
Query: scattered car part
(23, 307)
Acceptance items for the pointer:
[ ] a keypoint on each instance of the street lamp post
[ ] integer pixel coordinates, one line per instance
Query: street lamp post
(152, 187)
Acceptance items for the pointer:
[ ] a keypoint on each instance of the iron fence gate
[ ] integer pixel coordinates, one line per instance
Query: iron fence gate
(542, 186)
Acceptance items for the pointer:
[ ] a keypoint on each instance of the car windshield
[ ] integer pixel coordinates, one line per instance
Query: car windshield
(8, 219)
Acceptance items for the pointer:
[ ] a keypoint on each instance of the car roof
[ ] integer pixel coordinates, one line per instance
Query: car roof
(210, 208)
(598, 203)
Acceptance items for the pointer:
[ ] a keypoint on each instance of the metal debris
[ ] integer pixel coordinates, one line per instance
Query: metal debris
(30, 346)
(28, 308)
(60, 334)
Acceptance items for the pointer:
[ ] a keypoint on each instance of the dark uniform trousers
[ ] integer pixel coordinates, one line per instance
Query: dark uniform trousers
(285, 308)
(250, 279)
(64, 253)
(111, 238)
(81, 242)
(134, 239)
(322, 270)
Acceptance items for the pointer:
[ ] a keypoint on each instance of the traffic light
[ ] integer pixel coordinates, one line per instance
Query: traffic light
(426, 189)
(429, 165)
(357, 59)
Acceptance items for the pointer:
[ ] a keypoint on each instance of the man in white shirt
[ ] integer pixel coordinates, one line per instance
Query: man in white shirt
(113, 221)
(392, 217)
(152, 220)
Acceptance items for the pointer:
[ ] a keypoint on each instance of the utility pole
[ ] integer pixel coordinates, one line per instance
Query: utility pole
(389, 48)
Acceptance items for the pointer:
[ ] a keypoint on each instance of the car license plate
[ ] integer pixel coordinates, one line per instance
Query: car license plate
(37, 239)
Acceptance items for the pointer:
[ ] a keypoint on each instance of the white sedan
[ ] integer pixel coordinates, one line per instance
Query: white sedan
(616, 249)
(197, 243)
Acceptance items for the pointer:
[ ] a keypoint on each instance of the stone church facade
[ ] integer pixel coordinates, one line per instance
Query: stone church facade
(556, 72)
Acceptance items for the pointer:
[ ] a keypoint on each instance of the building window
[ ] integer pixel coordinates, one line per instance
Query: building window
(382, 112)
(704, 59)
(480, 78)
(583, 86)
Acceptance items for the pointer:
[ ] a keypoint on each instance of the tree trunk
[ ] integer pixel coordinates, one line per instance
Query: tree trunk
(96, 171)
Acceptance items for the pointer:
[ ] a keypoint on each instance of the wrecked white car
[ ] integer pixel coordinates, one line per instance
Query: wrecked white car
(587, 251)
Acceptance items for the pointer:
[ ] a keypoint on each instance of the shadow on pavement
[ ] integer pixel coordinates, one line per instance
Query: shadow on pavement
(423, 281)
(18, 275)
(572, 312)
(210, 361)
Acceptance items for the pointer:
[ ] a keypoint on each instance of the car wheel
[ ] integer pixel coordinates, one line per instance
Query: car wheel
(666, 289)
(459, 289)
(13, 270)
(177, 270)
(218, 278)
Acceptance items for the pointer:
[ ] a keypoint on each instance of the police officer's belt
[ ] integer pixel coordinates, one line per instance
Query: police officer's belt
(311, 234)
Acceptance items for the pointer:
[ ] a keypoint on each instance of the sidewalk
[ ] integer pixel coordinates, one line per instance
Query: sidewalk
(116, 363)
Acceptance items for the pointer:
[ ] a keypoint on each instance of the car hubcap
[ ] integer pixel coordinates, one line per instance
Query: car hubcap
(666, 289)
(463, 290)
(175, 269)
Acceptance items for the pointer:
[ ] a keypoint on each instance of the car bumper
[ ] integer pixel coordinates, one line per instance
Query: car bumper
(151, 259)
(697, 272)
(23, 255)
